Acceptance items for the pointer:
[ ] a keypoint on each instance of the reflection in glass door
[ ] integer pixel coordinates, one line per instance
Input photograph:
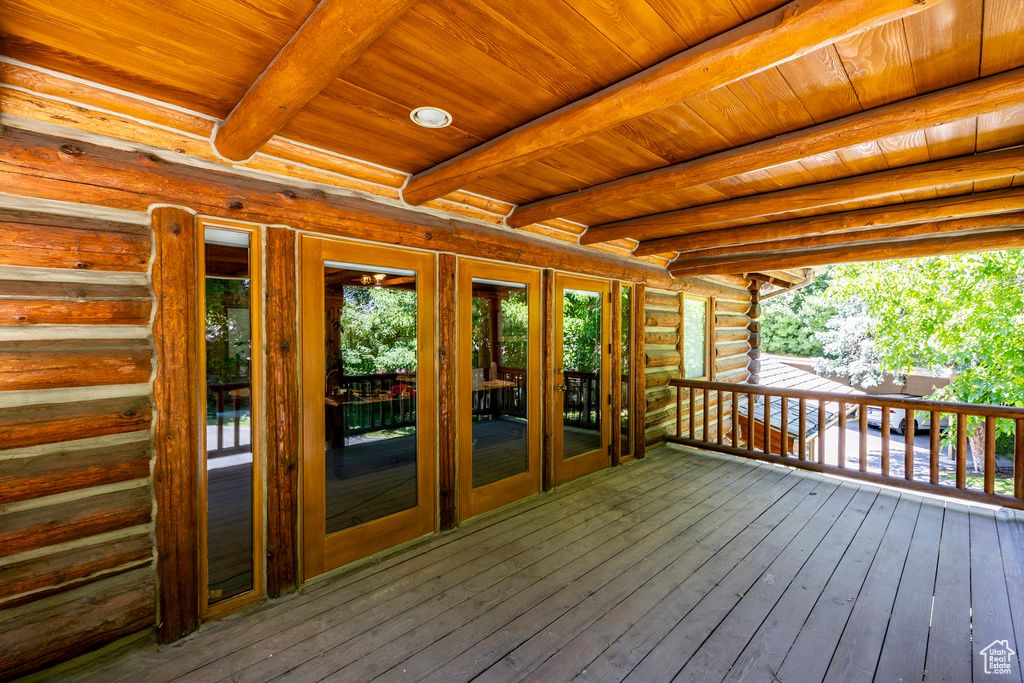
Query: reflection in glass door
(368, 406)
(626, 361)
(499, 385)
(231, 535)
(582, 356)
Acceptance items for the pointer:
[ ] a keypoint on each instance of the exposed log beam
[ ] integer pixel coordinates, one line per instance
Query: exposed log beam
(333, 37)
(894, 233)
(833, 193)
(989, 240)
(962, 206)
(953, 104)
(796, 29)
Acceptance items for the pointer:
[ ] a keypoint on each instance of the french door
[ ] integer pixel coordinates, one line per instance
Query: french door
(499, 401)
(582, 397)
(368, 399)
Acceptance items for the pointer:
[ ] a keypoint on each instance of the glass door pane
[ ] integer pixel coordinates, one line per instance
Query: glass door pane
(500, 362)
(582, 343)
(232, 530)
(370, 361)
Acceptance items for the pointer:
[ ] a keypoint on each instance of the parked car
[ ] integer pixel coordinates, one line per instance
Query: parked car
(898, 421)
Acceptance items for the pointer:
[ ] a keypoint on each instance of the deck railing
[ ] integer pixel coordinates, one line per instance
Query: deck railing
(581, 400)
(948, 426)
(233, 394)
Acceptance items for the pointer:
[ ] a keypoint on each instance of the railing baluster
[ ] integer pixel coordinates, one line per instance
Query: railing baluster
(220, 419)
(693, 421)
(721, 419)
(990, 454)
(679, 411)
(933, 447)
(909, 433)
(735, 419)
(767, 430)
(704, 415)
(862, 427)
(822, 420)
(784, 430)
(841, 459)
(1018, 459)
(886, 431)
(802, 429)
(750, 422)
(961, 450)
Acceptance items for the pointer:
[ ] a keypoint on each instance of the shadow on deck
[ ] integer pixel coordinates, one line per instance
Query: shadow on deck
(686, 566)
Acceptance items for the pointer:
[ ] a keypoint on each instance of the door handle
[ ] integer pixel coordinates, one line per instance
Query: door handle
(560, 387)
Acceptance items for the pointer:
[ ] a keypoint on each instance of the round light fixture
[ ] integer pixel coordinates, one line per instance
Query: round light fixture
(430, 117)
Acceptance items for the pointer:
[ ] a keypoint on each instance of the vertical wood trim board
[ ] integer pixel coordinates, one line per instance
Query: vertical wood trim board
(174, 392)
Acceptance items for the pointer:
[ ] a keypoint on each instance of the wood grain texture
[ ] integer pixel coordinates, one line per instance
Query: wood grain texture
(982, 203)
(912, 114)
(68, 625)
(175, 474)
(74, 363)
(62, 521)
(334, 36)
(785, 34)
(57, 312)
(282, 400)
(874, 251)
(884, 185)
(65, 568)
(51, 423)
(447, 369)
(79, 244)
(72, 468)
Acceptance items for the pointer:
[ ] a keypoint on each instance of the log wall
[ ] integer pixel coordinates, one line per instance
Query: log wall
(663, 355)
(76, 450)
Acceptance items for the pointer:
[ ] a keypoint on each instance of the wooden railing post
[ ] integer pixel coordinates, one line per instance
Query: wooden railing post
(822, 421)
(841, 459)
(909, 432)
(961, 451)
(1018, 459)
(933, 447)
(784, 431)
(735, 419)
(803, 429)
(990, 454)
(862, 426)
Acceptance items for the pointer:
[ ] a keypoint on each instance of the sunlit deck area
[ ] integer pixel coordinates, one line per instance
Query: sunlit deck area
(685, 566)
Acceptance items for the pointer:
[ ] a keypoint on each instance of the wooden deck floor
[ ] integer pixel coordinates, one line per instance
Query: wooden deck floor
(688, 566)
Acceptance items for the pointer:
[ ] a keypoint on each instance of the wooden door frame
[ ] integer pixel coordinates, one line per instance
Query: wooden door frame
(474, 501)
(322, 552)
(209, 611)
(585, 463)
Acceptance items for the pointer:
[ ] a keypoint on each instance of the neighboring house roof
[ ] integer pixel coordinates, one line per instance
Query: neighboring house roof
(775, 373)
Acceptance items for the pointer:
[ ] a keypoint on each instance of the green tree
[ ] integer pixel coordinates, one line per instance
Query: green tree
(962, 313)
(378, 327)
(790, 322)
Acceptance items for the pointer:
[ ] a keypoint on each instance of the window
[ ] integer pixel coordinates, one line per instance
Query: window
(696, 355)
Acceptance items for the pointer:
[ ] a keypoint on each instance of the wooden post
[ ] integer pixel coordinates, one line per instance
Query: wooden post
(754, 328)
(961, 450)
(639, 370)
(1018, 459)
(615, 380)
(990, 454)
(282, 411)
(447, 352)
(933, 447)
(862, 417)
(551, 402)
(176, 482)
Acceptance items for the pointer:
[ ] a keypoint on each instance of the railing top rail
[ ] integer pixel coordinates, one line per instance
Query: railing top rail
(984, 410)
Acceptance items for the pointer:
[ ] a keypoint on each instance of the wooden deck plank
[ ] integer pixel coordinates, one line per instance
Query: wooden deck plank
(605, 579)
(460, 654)
(1010, 525)
(856, 656)
(715, 656)
(352, 637)
(906, 640)
(484, 533)
(949, 641)
(775, 523)
(669, 655)
(990, 604)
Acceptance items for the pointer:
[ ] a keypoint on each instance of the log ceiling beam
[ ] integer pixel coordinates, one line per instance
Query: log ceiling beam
(834, 193)
(334, 36)
(903, 233)
(962, 206)
(993, 239)
(953, 104)
(794, 30)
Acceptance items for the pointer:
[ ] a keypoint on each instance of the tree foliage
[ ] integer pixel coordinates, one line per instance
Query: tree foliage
(378, 330)
(790, 322)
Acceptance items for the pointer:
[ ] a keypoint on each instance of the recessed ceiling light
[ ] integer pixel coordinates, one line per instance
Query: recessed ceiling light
(430, 117)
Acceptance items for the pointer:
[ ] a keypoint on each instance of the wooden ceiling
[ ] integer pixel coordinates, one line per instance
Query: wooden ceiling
(500, 65)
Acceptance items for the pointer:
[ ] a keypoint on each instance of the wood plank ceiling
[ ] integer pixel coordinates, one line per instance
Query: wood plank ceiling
(497, 65)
